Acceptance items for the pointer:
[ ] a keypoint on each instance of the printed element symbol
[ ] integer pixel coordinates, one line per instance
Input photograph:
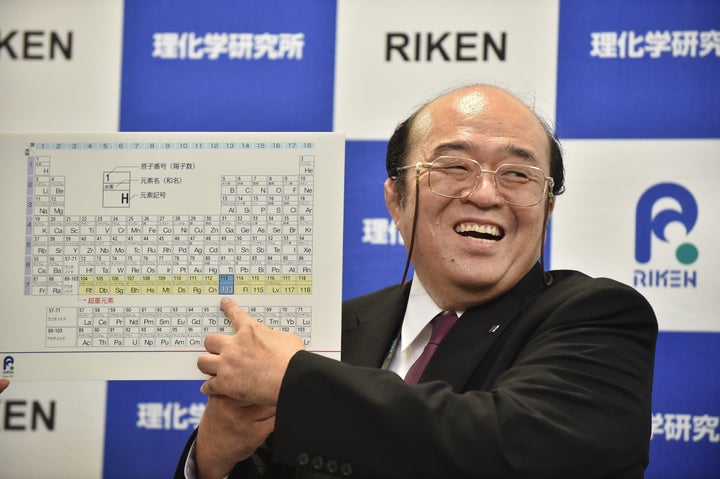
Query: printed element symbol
(649, 223)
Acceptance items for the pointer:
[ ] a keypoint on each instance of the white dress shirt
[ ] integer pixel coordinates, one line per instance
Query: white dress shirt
(416, 328)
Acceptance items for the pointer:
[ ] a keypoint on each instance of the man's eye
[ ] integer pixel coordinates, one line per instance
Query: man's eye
(453, 167)
(515, 174)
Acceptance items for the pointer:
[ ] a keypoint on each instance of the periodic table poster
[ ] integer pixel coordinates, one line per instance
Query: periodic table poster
(630, 86)
(129, 239)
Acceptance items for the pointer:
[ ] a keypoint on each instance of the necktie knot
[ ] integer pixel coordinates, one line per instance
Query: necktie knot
(441, 324)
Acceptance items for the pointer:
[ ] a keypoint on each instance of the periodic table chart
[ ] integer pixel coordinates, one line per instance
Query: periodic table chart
(117, 247)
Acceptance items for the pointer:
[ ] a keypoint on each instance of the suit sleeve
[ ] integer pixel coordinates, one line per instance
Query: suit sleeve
(572, 401)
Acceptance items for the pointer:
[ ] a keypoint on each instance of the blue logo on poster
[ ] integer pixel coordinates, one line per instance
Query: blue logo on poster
(649, 224)
(8, 366)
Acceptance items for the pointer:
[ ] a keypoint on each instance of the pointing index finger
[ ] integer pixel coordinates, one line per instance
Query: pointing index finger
(233, 312)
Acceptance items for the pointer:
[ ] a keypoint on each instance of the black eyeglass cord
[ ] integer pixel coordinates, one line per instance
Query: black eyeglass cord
(412, 234)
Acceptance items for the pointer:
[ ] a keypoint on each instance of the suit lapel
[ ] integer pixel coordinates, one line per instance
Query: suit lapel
(370, 324)
(469, 341)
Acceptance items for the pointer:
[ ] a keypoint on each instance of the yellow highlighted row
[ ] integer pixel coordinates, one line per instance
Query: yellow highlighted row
(195, 284)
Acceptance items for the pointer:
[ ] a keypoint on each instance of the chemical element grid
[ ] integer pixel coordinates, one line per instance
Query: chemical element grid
(260, 243)
(161, 327)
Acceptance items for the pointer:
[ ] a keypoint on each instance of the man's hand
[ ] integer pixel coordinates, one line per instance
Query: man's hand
(229, 432)
(4, 383)
(250, 365)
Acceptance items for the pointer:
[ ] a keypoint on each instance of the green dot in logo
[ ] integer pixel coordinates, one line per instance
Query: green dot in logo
(686, 253)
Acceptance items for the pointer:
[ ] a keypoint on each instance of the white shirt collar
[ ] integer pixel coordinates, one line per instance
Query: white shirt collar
(416, 329)
(420, 310)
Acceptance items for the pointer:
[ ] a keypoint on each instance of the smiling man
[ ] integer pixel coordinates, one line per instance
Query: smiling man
(473, 243)
(532, 374)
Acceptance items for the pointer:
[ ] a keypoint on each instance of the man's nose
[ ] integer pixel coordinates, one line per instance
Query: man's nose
(485, 190)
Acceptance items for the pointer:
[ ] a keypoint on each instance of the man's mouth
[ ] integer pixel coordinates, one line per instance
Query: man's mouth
(482, 233)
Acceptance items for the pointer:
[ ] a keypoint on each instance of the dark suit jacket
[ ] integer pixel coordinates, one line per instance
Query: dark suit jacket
(543, 382)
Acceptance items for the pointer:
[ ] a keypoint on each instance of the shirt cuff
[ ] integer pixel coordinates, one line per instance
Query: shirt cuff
(191, 464)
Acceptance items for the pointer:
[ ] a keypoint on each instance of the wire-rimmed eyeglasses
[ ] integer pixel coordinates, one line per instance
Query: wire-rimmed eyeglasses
(453, 177)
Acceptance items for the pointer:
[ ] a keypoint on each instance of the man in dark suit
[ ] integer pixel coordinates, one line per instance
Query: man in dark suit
(544, 374)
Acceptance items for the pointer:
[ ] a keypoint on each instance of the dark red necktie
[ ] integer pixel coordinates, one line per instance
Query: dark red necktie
(441, 324)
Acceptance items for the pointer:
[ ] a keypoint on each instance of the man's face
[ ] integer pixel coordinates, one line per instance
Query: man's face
(473, 249)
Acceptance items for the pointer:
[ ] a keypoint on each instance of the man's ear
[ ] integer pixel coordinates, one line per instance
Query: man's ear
(392, 199)
(550, 208)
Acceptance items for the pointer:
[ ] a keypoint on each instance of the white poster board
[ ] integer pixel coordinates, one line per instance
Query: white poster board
(117, 247)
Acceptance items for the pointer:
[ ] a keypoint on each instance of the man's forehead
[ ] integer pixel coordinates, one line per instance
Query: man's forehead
(492, 109)
(471, 104)
(498, 149)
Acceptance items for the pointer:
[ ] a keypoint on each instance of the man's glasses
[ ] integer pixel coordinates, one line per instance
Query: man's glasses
(517, 185)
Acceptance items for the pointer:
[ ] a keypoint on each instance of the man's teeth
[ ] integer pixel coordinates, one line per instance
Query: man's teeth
(480, 232)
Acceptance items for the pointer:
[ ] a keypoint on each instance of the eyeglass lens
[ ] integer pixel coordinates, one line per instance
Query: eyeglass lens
(519, 185)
